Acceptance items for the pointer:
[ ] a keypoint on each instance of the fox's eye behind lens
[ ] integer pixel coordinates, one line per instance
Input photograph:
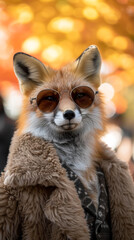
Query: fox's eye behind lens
(47, 100)
(50, 98)
(80, 95)
(83, 96)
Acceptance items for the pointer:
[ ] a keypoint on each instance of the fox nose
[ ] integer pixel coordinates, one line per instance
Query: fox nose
(69, 114)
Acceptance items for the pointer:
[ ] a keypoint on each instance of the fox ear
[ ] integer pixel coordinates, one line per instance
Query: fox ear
(88, 65)
(29, 71)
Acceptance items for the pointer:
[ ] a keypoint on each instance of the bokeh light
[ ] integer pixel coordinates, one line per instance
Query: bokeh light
(31, 45)
(107, 32)
(52, 53)
(64, 25)
(13, 103)
(90, 13)
(22, 12)
(120, 42)
(107, 90)
(113, 137)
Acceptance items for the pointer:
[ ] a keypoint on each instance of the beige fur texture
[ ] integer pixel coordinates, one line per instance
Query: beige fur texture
(37, 197)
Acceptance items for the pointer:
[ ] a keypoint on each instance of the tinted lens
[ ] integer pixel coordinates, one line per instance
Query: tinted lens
(47, 100)
(83, 96)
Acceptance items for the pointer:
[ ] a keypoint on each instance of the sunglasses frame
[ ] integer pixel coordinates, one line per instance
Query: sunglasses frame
(70, 93)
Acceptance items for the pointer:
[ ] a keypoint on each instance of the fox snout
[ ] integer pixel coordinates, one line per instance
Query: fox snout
(68, 118)
(69, 114)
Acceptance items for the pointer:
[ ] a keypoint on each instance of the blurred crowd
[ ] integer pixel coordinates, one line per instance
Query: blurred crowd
(7, 127)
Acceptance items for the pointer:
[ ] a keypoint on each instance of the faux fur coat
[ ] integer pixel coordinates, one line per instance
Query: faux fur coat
(39, 202)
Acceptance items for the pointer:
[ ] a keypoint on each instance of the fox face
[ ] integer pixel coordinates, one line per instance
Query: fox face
(60, 104)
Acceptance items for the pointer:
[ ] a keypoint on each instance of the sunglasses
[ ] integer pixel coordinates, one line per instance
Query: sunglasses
(48, 99)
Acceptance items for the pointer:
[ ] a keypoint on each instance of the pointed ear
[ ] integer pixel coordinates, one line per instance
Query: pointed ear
(88, 65)
(29, 71)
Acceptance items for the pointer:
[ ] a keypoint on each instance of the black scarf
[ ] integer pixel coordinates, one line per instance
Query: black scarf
(98, 220)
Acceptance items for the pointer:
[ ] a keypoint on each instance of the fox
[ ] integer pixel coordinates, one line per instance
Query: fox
(65, 108)
(61, 182)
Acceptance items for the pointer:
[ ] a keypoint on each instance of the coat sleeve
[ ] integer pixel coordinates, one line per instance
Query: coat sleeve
(9, 217)
(121, 195)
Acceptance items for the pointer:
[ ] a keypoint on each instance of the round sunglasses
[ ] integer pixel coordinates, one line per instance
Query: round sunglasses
(48, 99)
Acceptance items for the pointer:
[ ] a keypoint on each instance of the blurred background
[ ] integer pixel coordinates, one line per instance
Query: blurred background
(56, 32)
